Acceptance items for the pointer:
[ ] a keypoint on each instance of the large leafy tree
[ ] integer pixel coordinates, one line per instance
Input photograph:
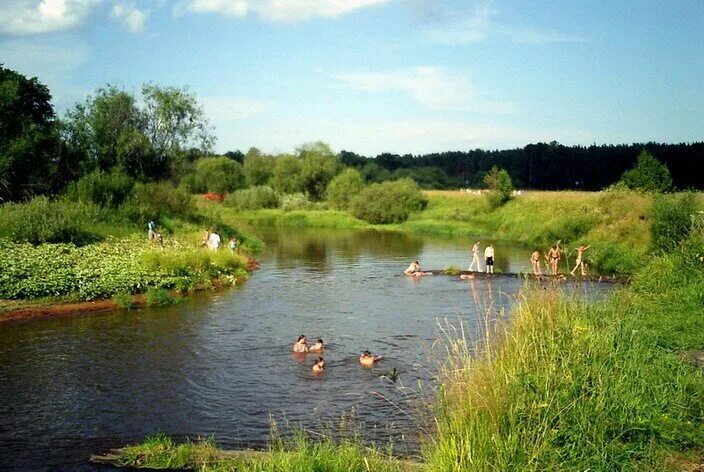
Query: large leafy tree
(649, 175)
(28, 136)
(319, 165)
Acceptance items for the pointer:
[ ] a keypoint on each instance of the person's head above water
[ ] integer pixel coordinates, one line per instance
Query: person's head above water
(320, 341)
(366, 353)
(302, 337)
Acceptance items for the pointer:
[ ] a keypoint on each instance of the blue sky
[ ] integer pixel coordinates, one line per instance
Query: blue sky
(403, 76)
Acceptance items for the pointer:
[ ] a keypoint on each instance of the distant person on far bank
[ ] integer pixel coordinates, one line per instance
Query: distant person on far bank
(232, 244)
(489, 257)
(475, 257)
(214, 241)
(580, 260)
(151, 230)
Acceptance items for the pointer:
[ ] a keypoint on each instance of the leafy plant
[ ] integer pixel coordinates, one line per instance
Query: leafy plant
(123, 300)
(500, 187)
(388, 202)
(253, 198)
(649, 175)
(344, 187)
(160, 297)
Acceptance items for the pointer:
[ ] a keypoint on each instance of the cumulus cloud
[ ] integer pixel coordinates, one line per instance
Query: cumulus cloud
(431, 87)
(129, 16)
(24, 17)
(285, 11)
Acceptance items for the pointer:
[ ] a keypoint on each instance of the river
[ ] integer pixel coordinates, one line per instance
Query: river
(220, 364)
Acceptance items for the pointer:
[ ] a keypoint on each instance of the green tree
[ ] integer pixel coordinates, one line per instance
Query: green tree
(388, 202)
(28, 136)
(345, 186)
(217, 174)
(258, 167)
(286, 177)
(500, 186)
(649, 175)
(318, 167)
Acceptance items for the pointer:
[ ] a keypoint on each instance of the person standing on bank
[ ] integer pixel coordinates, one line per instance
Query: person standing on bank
(475, 257)
(151, 230)
(489, 257)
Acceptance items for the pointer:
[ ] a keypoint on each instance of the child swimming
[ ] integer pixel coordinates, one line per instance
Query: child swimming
(318, 346)
(367, 360)
(319, 365)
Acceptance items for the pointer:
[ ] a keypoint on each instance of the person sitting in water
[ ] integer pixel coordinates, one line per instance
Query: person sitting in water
(318, 346)
(367, 360)
(319, 365)
(301, 345)
(414, 269)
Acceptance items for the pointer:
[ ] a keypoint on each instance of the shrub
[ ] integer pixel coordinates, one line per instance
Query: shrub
(123, 300)
(158, 200)
(500, 187)
(295, 201)
(344, 187)
(318, 167)
(258, 168)
(105, 189)
(649, 175)
(671, 220)
(388, 202)
(45, 221)
(254, 198)
(216, 174)
(286, 176)
(160, 297)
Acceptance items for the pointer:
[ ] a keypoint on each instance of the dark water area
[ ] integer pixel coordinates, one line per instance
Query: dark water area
(220, 364)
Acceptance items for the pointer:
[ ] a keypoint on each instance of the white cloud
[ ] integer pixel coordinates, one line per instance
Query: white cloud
(234, 108)
(430, 86)
(285, 11)
(482, 23)
(129, 16)
(23, 17)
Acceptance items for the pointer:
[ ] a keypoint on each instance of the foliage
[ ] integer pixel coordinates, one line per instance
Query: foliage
(102, 188)
(160, 297)
(28, 136)
(253, 198)
(123, 300)
(648, 175)
(500, 187)
(45, 221)
(153, 201)
(452, 270)
(286, 174)
(388, 202)
(258, 168)
(671, 220)
(344, 187)
(216, 174)
(294, 201)
(318, 167)
(100, 270)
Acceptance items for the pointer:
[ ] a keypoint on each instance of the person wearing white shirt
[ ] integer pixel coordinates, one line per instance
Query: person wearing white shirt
(489, 257)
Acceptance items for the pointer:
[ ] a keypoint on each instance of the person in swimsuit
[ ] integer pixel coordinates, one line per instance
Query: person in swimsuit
(489, 256)
(414, 269)
(475, 257)
(554, 257)
(319, 365)
(318, 346)
(367, 360)
(301, 345)
(535, 261)
(580, 260)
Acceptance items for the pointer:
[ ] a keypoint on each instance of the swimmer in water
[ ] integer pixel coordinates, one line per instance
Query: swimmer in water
(301, 345)
(319, 365)
(367, 360)
(318, 346)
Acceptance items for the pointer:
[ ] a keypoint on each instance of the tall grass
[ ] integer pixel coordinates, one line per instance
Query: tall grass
(567, 385)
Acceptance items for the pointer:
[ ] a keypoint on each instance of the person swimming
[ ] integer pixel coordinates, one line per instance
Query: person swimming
(367, 360)
(319, 365)
(301, 345)
(318, 346)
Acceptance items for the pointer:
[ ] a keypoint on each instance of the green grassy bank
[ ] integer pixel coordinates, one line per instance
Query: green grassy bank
(563, 385)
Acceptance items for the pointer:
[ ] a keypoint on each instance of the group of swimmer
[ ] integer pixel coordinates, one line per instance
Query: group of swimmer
(301, 347)
(552, 260)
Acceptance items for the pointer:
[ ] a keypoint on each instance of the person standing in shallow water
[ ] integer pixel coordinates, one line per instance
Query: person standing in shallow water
(554, 258)
(580, 260)
(475, 257)
(535, 261)
(489, 256)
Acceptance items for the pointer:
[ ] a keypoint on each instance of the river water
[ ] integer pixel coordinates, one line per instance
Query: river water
(220, 364)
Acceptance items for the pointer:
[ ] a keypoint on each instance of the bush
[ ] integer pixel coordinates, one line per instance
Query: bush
(45, 221)
(671, 220)
(216, 174)
(500, 187)
(108, 190)
(158, 200)
(295, 201)
(254, 198)
(648, 175)
(258, 168)
(344, 187)
(123, 300)
(388, 202)
(160, 297)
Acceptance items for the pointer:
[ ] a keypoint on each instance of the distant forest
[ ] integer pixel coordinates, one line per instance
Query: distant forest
(546, 166)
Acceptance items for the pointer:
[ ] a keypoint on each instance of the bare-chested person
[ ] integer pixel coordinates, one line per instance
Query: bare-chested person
(367, 360)
(580, 260)
(414, 269)
(554, 259)
(301, 345)
(319, 365)
(535, 261)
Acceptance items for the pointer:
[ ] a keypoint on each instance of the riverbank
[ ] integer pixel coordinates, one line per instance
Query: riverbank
(615, 222)
(564, 385)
